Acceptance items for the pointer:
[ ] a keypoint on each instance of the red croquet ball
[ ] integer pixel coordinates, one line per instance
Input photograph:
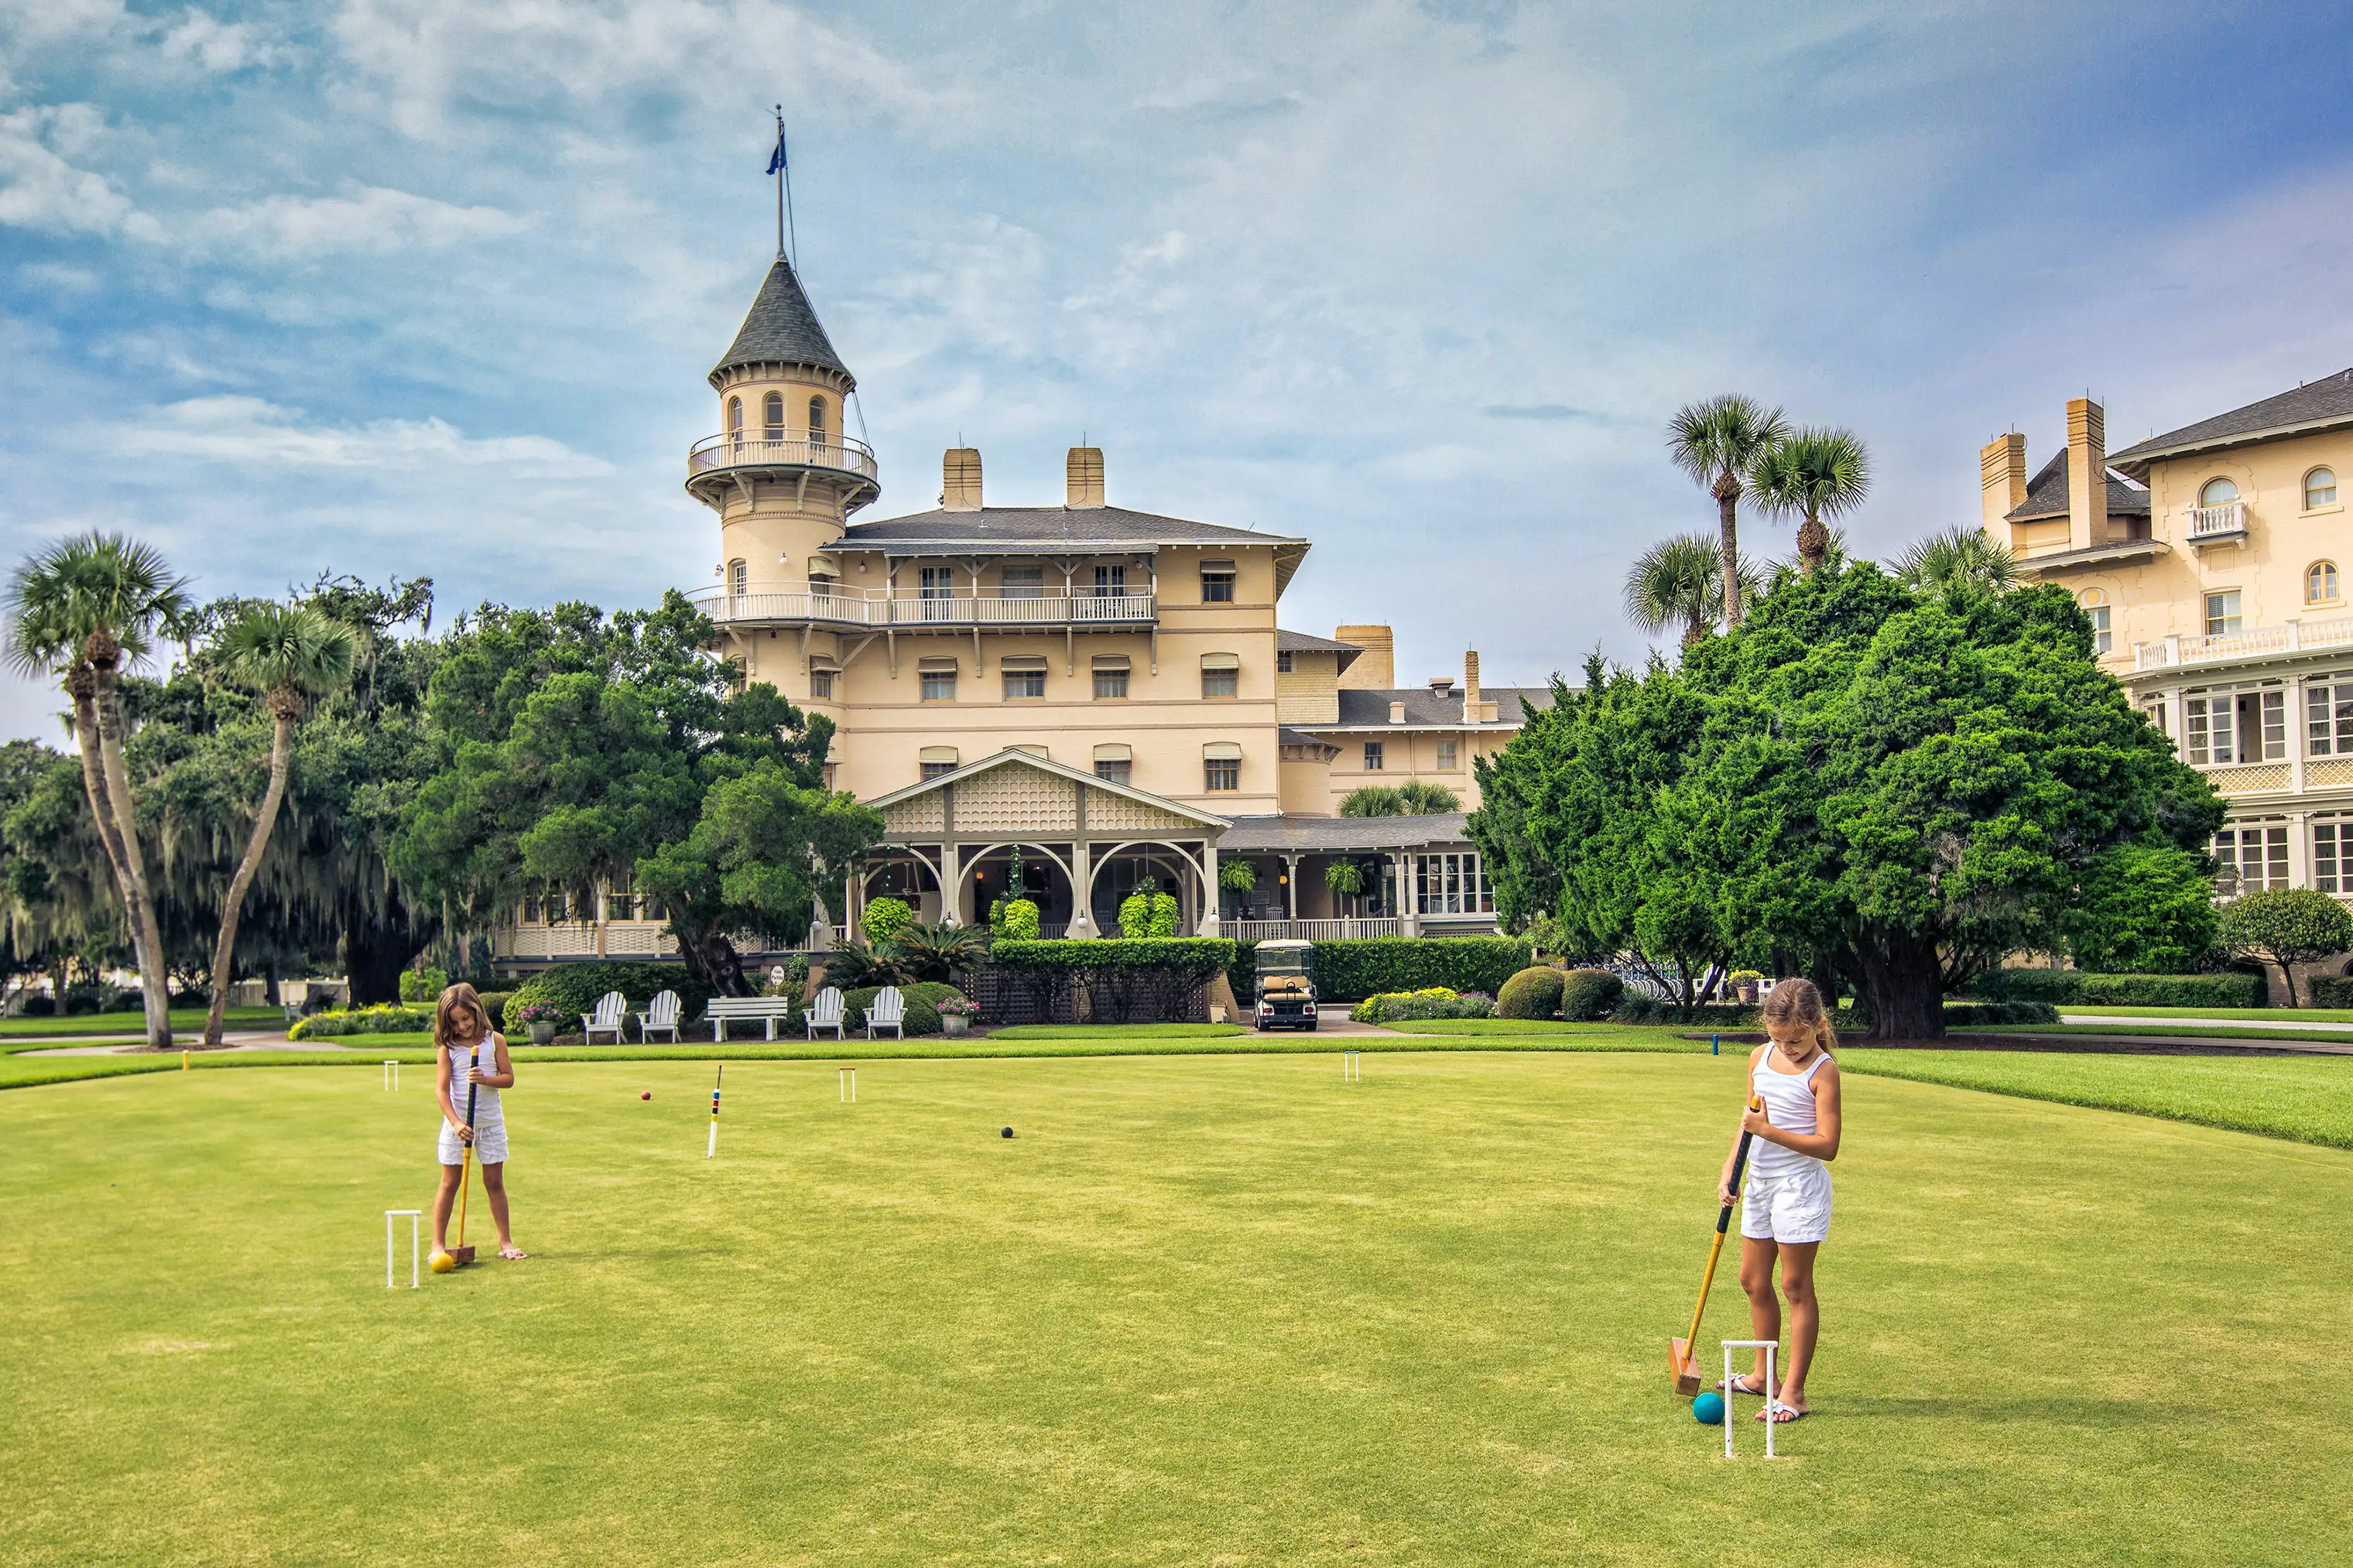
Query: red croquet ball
(648, 1095)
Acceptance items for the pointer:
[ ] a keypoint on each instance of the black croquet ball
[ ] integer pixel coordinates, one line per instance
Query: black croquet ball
(1006, 1133)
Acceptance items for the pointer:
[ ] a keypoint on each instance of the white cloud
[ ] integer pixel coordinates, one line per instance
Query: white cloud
(40, 189)
(248, 432)
(370, 220)
(200, 39)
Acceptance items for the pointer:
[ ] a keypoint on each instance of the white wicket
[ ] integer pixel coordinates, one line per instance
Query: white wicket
(389, 1215)
(1768, 1347)
(849, 1086)
(391, 1074)
(1351, 1067)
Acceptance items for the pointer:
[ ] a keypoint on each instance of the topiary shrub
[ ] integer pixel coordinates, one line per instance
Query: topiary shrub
(2284, 927)
(577, 987)
(1164, 917)
(886, 918)
(1021, 920)
(2325, 990)
(1135, 916)
(1590, 995)
(1531, 993)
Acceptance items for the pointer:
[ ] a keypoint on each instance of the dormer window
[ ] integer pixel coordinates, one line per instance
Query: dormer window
(816, 421)
(772, 415)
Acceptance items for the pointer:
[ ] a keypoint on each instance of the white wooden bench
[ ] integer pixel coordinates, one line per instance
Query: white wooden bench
(765, 1010)
(660, 1016)
(611, 1008)
(888, 1011)
(825, 1013)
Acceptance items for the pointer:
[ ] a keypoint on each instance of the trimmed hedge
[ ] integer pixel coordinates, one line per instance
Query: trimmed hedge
(1968, 1014)
(383, 1019)
(1587, 995)
(1352, 971)
(2062, 987)
(2330, 990)
(1531, 993)
(578, 987)
(1200, 956)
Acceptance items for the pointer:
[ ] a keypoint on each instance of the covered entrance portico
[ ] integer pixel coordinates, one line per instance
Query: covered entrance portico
(1017, 825)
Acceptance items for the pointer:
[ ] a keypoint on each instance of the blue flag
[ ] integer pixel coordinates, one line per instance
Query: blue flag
(777, 159)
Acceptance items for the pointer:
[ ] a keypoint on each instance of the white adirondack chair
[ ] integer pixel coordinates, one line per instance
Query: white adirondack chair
(660, 1016)
(889, 1011)
(825, 1013)
(611, 1008)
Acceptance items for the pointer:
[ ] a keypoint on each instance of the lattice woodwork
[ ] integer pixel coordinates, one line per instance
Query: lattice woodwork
(918, 816)
(2268, 778)
(1015, 799)
(2328, 772)
(1109, 813)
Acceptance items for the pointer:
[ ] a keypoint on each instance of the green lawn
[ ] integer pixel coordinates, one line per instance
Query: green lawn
(80, 1024)
(2309, 1099)
(1202, 1309)
(2168, 1031)
(1627, 1036)
(1116, 1031)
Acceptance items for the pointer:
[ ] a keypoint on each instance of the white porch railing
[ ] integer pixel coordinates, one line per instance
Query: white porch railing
(2293, 638)
(1308, 930)
(723, 450)
(918, 610)
(636, 940)
(2218, 521)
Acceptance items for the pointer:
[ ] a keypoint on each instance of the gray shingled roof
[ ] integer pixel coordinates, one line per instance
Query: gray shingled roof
(997, 529)
(1426, 710)
(1340, 834)
(1300, 642)
(780, 329)
(2326, 401)
(1285, 735)
(2046, 494)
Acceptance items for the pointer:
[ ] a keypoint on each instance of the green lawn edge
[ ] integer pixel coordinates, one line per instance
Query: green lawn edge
(84, 1026)
(2248, 1015)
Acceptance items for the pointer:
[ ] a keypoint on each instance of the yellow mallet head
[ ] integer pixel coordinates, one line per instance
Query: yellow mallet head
(442, 1263)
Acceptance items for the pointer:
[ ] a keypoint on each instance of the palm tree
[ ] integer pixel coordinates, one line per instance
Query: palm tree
(289, 653)
(76, 611)
(1428, 799)
(1679, 581)
(1814, 474)
(1717, 442)
(1961, 561)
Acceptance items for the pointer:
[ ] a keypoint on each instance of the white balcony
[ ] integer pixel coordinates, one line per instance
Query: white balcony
(2295, 637)
(2212, 524)
(714, 453)
(831, 603)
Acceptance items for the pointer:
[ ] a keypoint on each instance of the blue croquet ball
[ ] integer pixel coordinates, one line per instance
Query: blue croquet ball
(1708, 1408)
(1006, 1133)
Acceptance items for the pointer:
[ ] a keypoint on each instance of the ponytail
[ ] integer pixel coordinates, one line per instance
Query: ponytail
(1799, 1001)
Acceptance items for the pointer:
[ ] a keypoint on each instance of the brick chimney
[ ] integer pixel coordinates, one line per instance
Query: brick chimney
(960, 480)
(1085, 477)
(1375, 669)
(2087, 474)
(1471, 706)
(2003, 469)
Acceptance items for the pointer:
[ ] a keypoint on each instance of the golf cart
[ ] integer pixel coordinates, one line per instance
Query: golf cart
(1286, 996)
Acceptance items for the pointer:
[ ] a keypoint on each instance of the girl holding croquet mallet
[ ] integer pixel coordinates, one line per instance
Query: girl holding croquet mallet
(1786, 1212)
(467, 1053)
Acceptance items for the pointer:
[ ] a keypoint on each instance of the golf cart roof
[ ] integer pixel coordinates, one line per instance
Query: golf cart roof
(1286, 943)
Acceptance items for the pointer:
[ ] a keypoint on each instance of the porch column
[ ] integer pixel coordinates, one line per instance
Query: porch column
(1212, 895)
(2299, 849)
(1290, 885)
(1408, 906)
(1083, 894)
(951, 884)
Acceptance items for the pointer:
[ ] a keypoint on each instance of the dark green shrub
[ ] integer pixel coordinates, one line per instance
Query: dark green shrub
(1586, 995)
(577, 987)
(922, 998)
(494, 1003)
(1352, 971)
(2326, 990)
(40, 1007)
(1969, 1015)
(2063, 987)
(1531, 993)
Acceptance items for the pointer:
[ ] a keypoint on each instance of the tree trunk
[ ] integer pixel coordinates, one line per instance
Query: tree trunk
(154, 974)
(1727, 505)
(281, 754)
(712, 961)
(1902, 979)
(372, 961)
(1813, 544)
(83, 688)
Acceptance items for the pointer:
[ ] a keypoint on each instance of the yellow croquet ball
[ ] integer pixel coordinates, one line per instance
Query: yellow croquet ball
(442, 1263)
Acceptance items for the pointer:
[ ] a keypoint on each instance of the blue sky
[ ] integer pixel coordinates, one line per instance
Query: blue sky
(428, 287)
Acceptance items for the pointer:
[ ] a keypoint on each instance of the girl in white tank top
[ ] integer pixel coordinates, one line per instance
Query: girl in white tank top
(470, 1055)
(1793, 1130)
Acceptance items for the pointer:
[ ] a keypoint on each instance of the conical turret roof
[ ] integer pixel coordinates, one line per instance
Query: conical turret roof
(780, 328)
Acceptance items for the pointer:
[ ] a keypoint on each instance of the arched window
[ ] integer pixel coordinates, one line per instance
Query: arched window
(2319, 488)
(816, 421)
(735, 417)
(2320, 583)
(772, 417)
(2218, 493)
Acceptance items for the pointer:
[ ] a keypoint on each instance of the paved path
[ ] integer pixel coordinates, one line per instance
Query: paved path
(135, 1045)
(2227, 1026)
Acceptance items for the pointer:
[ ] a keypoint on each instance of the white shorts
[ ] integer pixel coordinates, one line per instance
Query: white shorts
(490, 1144)
(1792, 1206)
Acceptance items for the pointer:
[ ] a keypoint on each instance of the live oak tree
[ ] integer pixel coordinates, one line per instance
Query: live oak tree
(580, 750)
(1895, 788)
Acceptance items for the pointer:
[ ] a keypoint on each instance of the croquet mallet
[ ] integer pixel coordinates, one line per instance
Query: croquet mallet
(1680, 1361)
(464, 1254)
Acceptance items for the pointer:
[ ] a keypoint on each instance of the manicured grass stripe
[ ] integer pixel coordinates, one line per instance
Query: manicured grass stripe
(80, 1026)
(1115, 1031)
(2164, 1032)
(2307, 1099)
(2251, 1015)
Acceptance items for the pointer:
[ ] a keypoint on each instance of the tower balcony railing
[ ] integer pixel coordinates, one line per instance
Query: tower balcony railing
(725, 450)
(922, 610)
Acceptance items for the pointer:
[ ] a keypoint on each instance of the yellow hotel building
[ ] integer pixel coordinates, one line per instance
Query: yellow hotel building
(1073, 696)
(2213, 560)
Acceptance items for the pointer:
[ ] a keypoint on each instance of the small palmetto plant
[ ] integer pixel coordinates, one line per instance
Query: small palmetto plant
(1961, 561)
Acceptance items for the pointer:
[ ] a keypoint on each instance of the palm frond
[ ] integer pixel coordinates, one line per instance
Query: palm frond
(1726, 435)
(1957, 561)
(1678, 582)
(1814, 474)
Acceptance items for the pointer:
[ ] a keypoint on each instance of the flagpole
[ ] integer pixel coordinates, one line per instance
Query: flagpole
(780, 181)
